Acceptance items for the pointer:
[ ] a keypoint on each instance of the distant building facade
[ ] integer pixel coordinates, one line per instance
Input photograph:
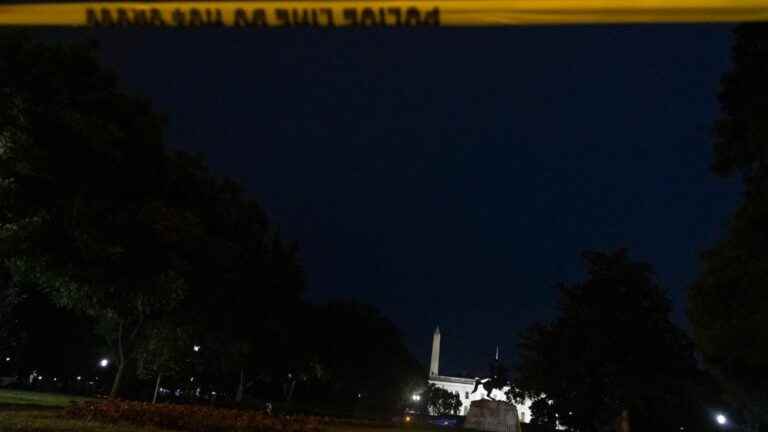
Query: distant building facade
(465, 387)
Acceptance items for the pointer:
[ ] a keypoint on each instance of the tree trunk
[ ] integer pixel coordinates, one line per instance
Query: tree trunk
(120, 363)
(157, 388)
(622, 422)
(118, 379)
(124, 343)
(240, 387)
(290, 390)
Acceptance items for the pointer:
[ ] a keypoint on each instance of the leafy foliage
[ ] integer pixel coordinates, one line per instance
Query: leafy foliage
(80, 222)
(362, 357)
(727, 309)
(543, 413)
(106, 222)
(163, 350)
(11, 335)
(728, 300)
(741, 133)
(613, 347)
(441, 401)
(109, 224)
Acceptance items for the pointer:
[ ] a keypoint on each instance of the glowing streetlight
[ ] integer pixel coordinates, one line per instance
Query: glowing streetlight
(104, 363)
(196, 348)
(721, 419)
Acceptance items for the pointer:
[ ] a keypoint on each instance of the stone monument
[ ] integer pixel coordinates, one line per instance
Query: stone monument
(492, 416)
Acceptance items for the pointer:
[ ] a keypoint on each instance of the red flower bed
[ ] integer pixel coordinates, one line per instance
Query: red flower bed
(189, 417)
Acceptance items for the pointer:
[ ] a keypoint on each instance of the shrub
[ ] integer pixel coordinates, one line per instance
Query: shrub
(189, 418)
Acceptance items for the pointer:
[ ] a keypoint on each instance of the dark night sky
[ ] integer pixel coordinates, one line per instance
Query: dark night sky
(453, 176)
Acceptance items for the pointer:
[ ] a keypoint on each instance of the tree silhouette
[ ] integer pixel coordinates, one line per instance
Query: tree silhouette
(726, 303)
(612, 348)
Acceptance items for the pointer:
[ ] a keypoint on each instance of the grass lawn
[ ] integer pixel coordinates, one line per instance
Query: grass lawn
(51, 420)
(20, 397)
(13, 419)
(25, 411)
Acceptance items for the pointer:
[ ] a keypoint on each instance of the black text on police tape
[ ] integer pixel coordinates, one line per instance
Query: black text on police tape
(265, 17)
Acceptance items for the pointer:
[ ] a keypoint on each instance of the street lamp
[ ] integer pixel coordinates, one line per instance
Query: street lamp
(196, 348)
(721, 419)
(104, 363)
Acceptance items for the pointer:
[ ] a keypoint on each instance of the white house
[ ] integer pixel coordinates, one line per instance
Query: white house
(465, 386)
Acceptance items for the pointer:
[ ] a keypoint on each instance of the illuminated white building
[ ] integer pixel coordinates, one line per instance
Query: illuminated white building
(465, 386)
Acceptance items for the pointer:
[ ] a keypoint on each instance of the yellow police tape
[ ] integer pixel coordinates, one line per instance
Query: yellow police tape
(377, 13)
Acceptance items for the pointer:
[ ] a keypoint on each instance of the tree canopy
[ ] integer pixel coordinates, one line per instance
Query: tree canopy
(144, 245)
(80, 174)
(105, 220)
(613, 347)
(363, 358)
(726, 303)
(741, 132)
(441, 401)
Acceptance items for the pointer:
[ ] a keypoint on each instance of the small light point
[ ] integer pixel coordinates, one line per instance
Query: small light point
(721, 419)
